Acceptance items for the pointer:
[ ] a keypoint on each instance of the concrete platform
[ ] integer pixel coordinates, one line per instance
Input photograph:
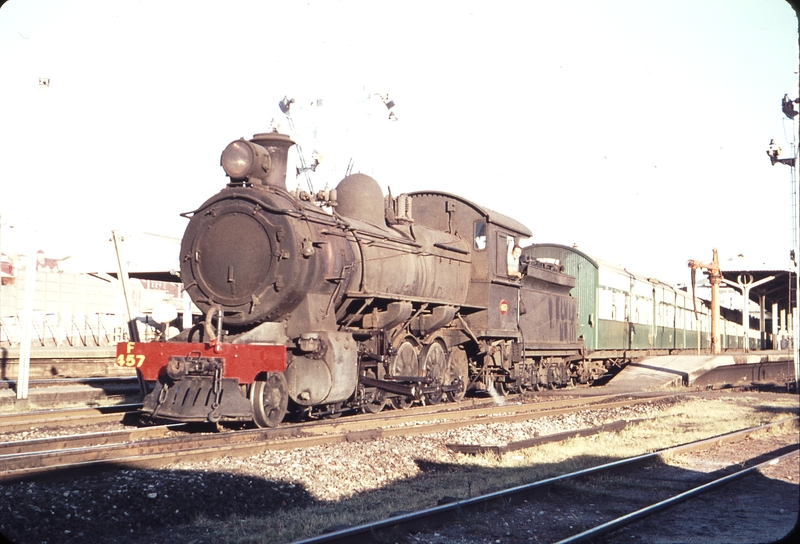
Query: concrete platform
(682, 370)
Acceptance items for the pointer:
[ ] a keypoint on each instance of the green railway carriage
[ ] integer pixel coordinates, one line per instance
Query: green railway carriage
(619, 310)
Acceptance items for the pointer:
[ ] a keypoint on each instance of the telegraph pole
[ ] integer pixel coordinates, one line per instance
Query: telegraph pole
(774, 153)
(795, 224)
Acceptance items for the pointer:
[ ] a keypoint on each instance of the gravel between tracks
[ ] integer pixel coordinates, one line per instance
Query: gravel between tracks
(224, 499)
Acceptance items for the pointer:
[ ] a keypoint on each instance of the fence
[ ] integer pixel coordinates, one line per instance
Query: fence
(75, 309)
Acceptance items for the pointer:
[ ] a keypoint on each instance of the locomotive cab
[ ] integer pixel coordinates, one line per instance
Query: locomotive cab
(521, 314)
(491, 306)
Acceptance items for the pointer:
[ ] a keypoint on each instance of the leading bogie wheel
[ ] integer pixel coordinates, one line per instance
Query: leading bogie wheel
(270, 398)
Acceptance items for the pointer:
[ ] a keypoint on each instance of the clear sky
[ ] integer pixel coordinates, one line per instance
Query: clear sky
(634, 129)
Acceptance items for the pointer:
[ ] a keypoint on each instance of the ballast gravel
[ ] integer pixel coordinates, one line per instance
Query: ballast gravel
(132, 506)
(142, 506)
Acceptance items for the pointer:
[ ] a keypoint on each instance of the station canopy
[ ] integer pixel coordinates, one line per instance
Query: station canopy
(776, 291)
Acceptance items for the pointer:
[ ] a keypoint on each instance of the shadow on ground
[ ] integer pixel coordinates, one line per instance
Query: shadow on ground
(138, 506)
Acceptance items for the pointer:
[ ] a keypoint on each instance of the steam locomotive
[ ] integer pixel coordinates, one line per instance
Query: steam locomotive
(349, 299)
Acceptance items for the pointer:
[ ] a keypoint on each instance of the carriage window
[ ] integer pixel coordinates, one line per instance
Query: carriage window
(480, 235)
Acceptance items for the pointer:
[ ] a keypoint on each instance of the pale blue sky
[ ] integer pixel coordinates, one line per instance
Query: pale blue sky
(635, 129)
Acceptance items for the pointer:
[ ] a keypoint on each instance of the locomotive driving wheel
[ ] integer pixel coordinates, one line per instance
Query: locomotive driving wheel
(270, 397)
(458, 373)
(405, 363)
(406, 360)
(434, 360)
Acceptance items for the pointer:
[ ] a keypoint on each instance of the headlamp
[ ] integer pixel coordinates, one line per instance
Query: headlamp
(243, 160)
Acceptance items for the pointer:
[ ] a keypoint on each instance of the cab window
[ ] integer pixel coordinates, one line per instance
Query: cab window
(480, 235)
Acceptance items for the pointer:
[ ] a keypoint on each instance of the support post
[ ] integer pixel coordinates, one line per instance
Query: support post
(775, 321)
(122, 272)
(23, 374)
(744, 282)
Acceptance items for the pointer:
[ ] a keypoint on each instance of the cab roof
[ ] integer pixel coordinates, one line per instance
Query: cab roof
(492, 217)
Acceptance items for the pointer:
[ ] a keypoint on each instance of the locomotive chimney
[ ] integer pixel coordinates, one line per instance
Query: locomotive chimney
(278, 147)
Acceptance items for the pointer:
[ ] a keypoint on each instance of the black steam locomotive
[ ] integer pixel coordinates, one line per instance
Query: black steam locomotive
(347, 299)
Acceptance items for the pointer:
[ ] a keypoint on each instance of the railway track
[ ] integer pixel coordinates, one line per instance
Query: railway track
(71, 417)
(152, 447)
(60, 392)
(128, 413)
(648, 511)
(426, 520)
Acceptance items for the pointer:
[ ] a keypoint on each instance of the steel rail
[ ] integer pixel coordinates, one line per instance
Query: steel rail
(79, 416)
(424, 518)
(56, 443)
(653, 509)
(15, 422)
(315, 428)
(486, 414)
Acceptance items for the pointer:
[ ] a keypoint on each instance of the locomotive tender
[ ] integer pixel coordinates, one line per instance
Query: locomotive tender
(380, 300)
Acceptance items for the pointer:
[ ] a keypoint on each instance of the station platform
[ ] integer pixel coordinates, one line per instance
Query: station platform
(688, 370)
